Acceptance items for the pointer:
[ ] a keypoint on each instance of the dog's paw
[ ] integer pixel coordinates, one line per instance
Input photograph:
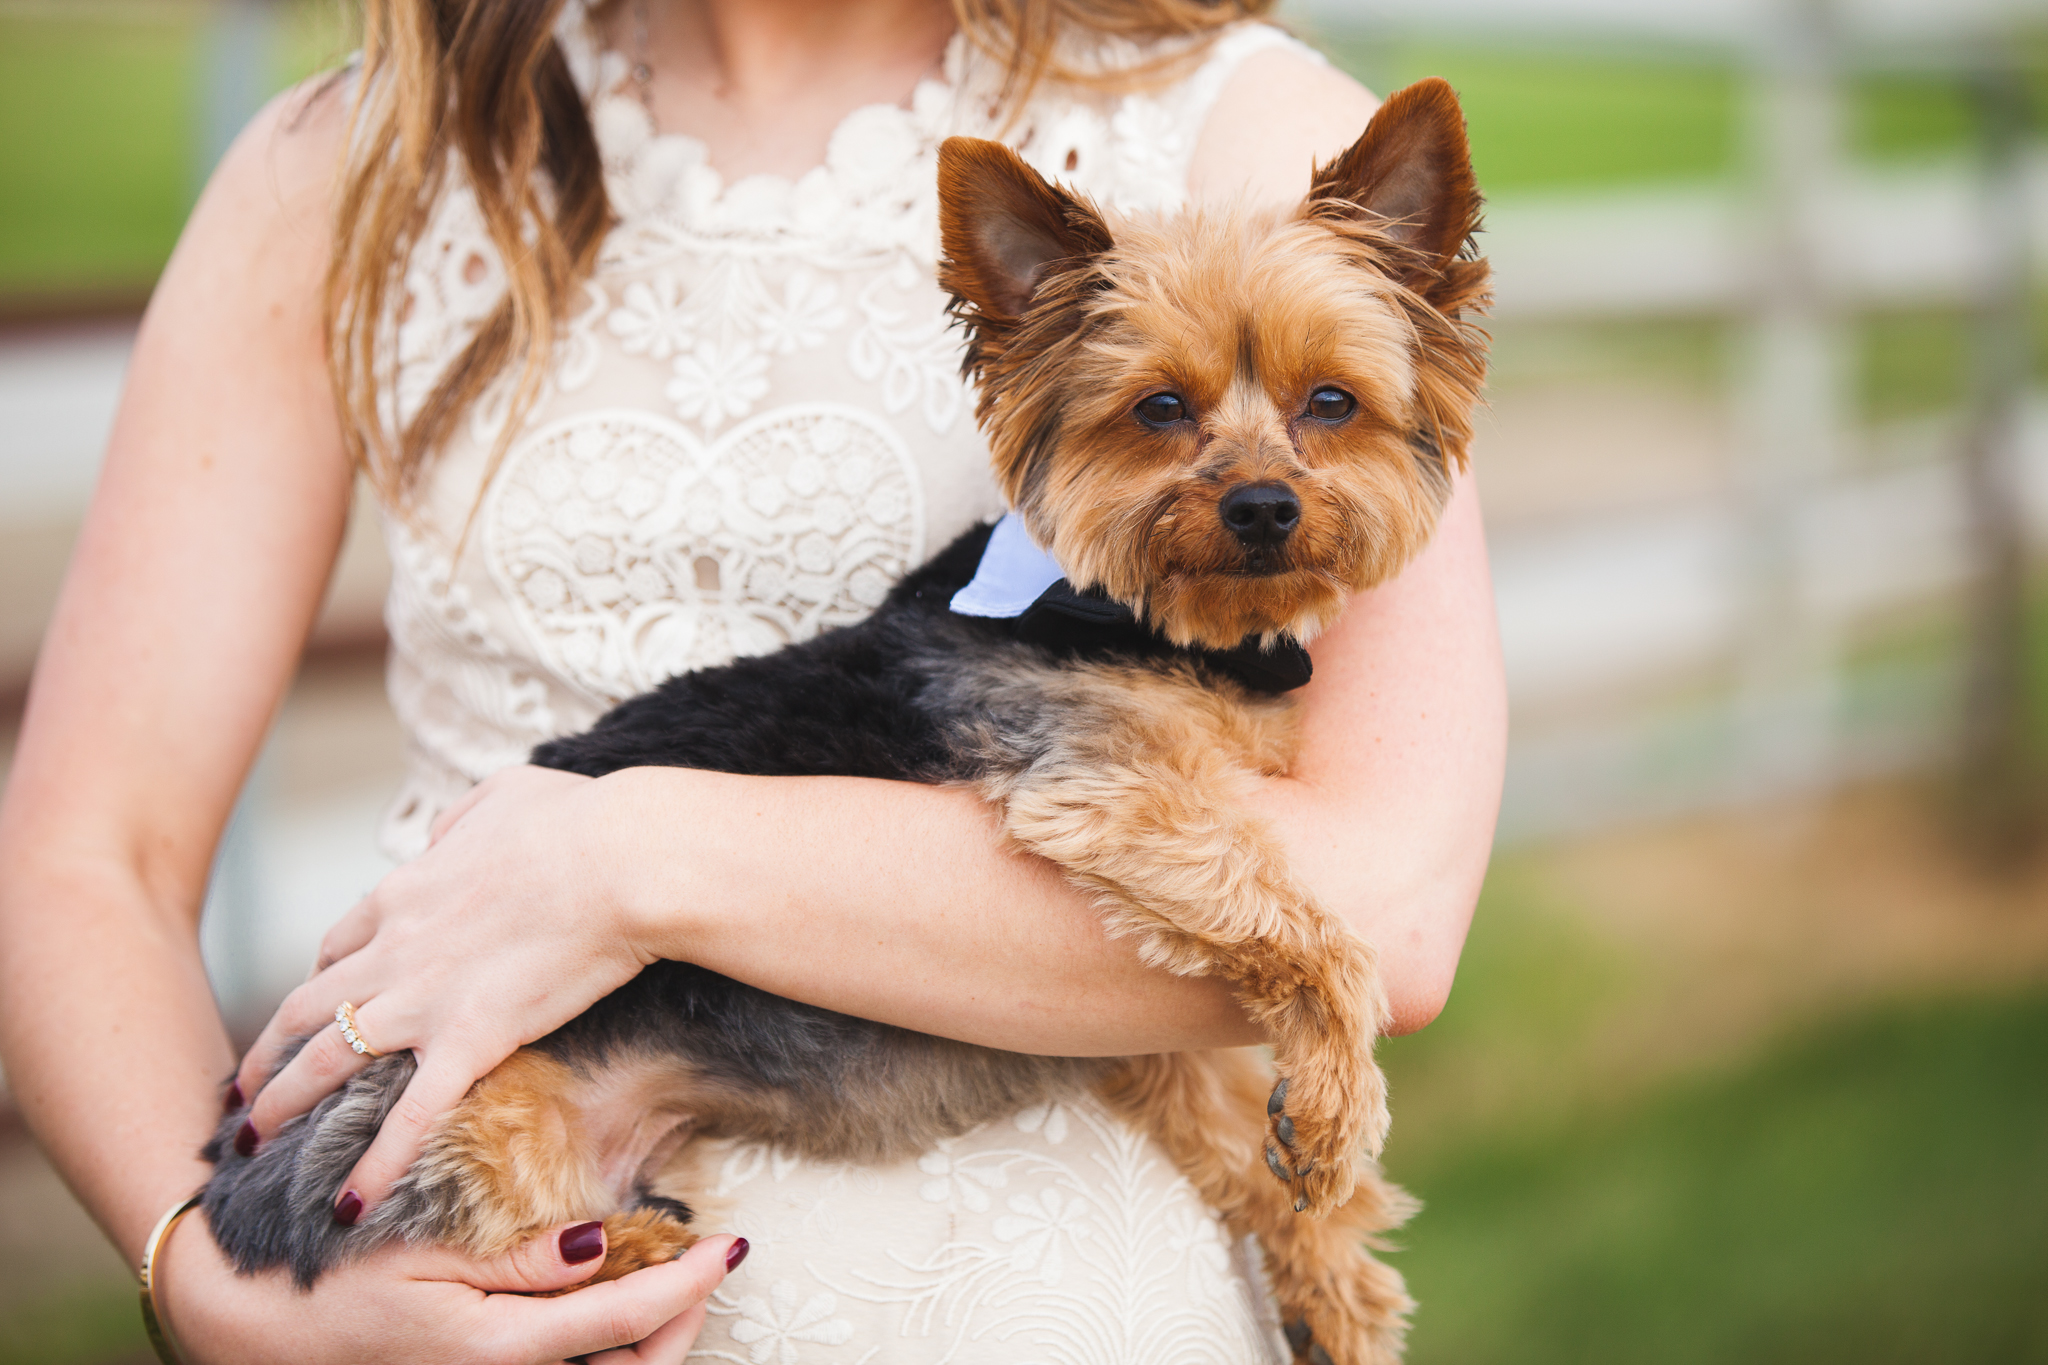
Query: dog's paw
(1346, 1344)
(1348, 1314)
(634, 1241)
(1301, 1339)
(1311, 1151)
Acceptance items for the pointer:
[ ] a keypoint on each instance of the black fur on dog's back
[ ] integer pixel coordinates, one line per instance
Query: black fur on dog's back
(846, 703)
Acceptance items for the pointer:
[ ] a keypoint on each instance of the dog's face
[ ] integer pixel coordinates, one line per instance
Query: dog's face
(1228, 422)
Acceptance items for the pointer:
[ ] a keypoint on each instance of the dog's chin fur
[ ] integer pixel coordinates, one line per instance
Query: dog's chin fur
(1220, 610)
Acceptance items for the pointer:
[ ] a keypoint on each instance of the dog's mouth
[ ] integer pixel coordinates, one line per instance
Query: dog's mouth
(1262, 563)
(1234, 567)
(1249, 571)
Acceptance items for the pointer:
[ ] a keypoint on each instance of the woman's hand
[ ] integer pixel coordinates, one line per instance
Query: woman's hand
(429, 1304)
(504, 930)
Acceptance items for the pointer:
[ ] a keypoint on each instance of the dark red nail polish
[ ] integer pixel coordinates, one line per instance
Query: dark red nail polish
(583, 1242)
(233, 1099)
(246, 1139)
(736, 1253)
(348, 1208)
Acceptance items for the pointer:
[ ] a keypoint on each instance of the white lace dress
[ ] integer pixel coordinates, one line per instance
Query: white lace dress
(755, 425)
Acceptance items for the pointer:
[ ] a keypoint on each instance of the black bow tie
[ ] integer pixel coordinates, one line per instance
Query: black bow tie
(1063, 618)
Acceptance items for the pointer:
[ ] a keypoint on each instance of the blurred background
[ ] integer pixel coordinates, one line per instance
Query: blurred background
(1748, 1057)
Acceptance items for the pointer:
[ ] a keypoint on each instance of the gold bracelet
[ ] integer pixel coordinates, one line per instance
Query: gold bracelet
(159, 1335)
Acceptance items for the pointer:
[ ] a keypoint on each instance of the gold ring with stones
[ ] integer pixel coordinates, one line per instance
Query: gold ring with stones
(345, 1020)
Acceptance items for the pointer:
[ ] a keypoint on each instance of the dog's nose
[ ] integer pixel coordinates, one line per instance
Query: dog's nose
(1261, 514)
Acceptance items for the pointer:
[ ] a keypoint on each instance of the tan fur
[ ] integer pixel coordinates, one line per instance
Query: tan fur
(1141, 802)
(517, 1147)
(534, 1144)
(1121, 509)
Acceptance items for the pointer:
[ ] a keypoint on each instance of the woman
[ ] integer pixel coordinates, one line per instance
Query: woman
(749, 370)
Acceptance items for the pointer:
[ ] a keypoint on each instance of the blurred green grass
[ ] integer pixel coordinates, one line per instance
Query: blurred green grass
(1869, 1189)
(100, 161)
(94, 1323)
(1875, 1192)
(1558, 120)
(96, 170)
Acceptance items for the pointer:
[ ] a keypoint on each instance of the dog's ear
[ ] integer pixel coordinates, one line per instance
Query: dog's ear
(1410, 173)
(1004, 228)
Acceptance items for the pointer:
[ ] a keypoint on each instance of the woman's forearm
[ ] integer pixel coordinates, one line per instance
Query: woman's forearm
(115, 1051)
(198, 572)
(899, 902)
(895, 902)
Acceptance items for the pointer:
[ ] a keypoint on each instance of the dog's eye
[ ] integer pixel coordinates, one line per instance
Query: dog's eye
(1161, 409)
(1331, 405)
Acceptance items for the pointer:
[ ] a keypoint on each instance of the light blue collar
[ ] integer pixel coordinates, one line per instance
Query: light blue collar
(1014, 573)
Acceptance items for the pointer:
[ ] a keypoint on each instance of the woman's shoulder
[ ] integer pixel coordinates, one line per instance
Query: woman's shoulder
(1280, 109)
(255, 250)
(293, 147)
(273, 192)
(1233, 119)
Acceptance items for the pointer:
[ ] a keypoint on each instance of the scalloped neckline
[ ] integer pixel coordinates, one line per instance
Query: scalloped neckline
(613, 74)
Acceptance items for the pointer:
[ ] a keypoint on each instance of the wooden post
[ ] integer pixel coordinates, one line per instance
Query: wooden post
(1791, 388)
(2000, 794)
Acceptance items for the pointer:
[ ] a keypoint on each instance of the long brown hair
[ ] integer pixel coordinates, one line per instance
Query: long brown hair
(485, 81)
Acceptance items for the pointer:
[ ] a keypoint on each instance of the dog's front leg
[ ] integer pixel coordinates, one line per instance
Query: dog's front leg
(1154, 824)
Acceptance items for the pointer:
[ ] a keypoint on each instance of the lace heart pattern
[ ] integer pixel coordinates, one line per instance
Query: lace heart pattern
(631, 549)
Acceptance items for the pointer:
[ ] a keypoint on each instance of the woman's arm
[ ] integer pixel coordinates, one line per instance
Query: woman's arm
(201, 565)
(901, 903)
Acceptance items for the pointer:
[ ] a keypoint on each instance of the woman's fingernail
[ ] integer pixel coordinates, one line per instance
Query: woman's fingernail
(583, 1242)
(233, 1100)
(246, 1139)
(348, 1208)
(736, 1253)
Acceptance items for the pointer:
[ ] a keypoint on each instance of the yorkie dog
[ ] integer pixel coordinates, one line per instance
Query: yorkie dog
(1219, 426)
